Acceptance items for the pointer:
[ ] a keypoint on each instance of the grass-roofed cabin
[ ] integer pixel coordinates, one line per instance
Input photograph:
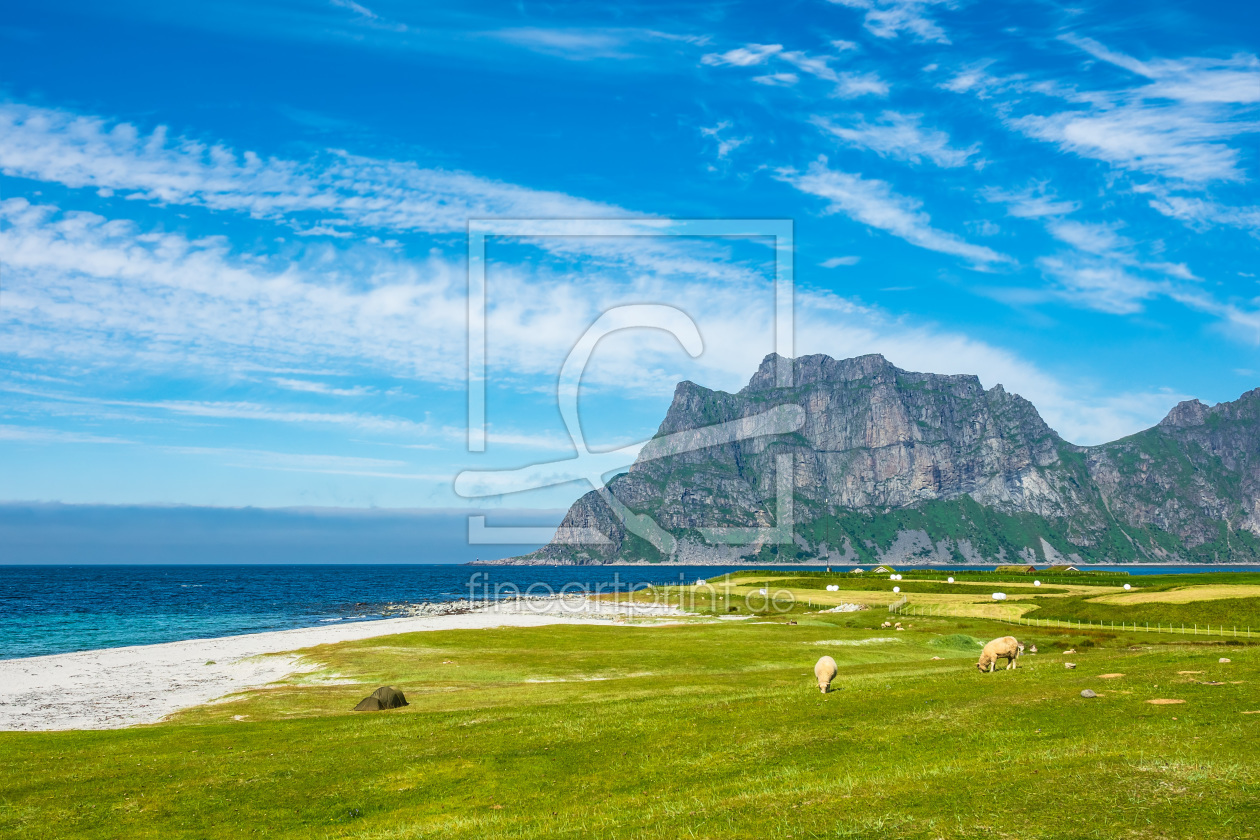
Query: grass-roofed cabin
(1016, 569)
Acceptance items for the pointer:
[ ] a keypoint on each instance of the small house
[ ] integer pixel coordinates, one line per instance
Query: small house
(857, 570)
(1020, 569)
(1061, 569)
(883, 570)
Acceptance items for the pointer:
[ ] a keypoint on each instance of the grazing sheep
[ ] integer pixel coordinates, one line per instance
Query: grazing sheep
(825, 671)
(1007, 647)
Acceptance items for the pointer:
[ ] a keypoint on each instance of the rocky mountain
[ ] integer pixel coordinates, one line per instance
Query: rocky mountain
(889, 465)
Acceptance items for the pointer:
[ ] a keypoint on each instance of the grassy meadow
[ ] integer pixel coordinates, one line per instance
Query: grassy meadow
(699, 728)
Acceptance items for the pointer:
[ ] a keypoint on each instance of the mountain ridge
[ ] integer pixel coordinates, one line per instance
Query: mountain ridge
(890, 465)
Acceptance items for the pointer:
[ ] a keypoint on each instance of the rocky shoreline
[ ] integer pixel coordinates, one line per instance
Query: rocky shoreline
(572, 606)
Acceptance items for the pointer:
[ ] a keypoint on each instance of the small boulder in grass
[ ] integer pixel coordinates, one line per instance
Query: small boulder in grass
(1223, 660)
(1089, 694)
(385, 697)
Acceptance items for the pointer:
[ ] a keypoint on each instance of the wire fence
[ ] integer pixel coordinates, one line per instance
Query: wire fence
(928, 610)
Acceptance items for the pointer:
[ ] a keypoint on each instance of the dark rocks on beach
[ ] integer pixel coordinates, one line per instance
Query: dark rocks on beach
(1088, 694)
(385, 697)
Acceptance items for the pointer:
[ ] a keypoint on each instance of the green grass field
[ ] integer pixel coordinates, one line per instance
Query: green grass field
(704, 729)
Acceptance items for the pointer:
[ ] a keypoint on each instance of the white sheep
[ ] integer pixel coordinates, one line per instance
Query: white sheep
(1007, 647)
(825, 671)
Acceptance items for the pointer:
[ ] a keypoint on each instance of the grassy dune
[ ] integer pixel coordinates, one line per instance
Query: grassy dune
(705, 729)
(1182, 595)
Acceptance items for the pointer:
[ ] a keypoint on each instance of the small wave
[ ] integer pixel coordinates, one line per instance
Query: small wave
(331, 619)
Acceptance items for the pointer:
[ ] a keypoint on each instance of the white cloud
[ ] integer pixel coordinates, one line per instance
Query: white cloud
(900, 136)
(853, 85)
(339, 188)
(266, 459)
(357, 8)
(103, 291)
(725, 145)
(974, 80)
(1179, 120)
(1176, 123)
(35, 434)
(1032, 203)
(1106, 273)
(818, 66)
(746, 56)
(889, 18)
(584, 44)
(1095, 238)
(311, 387)
(1179, 270)
(91, 291)
(836, 262)
(322, 196)
(777, 79)
(848, 84)
(1200, 214)
(1099, 284)
(271, 414)
(1174, 141)
(874, 203)
(1230, 80)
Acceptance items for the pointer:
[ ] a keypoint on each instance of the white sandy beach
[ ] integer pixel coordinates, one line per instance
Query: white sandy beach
(118, 687)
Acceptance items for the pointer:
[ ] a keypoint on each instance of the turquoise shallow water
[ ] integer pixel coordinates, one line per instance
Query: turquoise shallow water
(58, 609)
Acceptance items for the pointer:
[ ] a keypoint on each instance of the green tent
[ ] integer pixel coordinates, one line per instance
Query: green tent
(385, 697)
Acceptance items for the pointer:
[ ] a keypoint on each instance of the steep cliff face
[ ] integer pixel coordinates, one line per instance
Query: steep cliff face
(894, 465)
(1193, 481)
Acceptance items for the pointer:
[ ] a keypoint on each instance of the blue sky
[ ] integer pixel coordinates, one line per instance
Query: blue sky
(232, 235)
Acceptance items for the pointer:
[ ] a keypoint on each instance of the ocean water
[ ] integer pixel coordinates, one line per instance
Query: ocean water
(59, 609)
